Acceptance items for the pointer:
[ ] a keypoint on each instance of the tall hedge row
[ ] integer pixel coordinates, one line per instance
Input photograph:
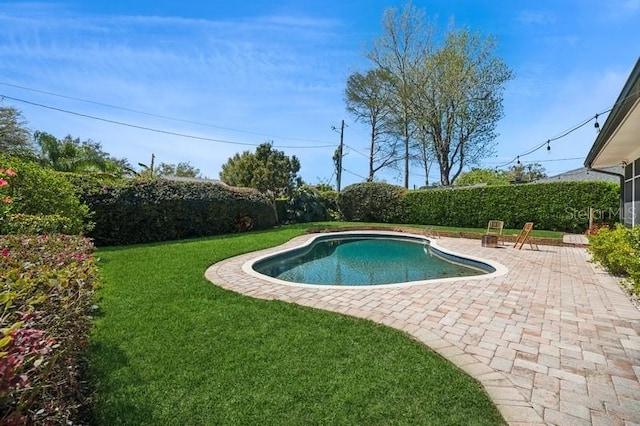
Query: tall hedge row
(556, 206)
(140, 211)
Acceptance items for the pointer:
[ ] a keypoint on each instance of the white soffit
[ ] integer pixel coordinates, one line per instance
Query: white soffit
(624, 144)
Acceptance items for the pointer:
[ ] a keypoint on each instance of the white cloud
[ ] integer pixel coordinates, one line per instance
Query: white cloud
(263, 75)
(536, 17)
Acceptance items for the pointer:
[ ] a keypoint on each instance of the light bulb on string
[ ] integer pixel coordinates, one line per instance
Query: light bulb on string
(596, 124)
(518, 163)
(548, 147)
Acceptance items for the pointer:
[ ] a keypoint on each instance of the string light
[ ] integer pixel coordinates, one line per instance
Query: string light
(630, 97)
(518, 160)
(548, 147)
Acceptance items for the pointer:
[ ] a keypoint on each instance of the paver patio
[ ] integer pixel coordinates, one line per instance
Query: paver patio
(553, 341)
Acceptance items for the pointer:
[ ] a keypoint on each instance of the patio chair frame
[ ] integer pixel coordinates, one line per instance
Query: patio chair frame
(495, 227)
(526, 237)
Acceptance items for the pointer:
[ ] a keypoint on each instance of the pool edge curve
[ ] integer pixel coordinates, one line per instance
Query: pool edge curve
(247, 266)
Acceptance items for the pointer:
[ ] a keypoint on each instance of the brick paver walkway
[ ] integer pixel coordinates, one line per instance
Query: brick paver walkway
(579, 240)
(554, 341)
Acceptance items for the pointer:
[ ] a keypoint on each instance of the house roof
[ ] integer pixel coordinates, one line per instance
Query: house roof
(584, 174)
(189, 179)
(618, 139)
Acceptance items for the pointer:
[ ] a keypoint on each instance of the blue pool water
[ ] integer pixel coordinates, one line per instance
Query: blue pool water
(367, 260)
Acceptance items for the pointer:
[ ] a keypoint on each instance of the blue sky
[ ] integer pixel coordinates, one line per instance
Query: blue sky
(252, 71)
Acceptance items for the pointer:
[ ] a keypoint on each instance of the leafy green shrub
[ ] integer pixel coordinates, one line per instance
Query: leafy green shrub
(38, 191)
(47, 288)
(39, 224)
(143, 211)
(557, 206)
(329, 199)
(305, 205)
(618, 251)
(372, 202)
(86, 184)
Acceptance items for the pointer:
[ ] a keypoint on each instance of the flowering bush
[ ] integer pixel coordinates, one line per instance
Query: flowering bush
(45, 301)
(5, 199)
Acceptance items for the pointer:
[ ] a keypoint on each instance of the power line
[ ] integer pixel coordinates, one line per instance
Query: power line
(356, 151)
(151, 129)
(355, 174)
(164, 117)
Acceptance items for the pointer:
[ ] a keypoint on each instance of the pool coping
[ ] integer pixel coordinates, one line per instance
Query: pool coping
(309, 239)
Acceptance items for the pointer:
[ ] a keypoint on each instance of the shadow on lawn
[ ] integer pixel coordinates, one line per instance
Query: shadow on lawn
(110, 374)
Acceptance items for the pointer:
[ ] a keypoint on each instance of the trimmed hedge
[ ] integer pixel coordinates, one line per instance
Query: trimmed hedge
(141, 211)
(372, 202)
(555, 206)
(47, 288)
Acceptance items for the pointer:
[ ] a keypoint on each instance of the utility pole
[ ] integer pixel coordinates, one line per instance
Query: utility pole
(340, 150)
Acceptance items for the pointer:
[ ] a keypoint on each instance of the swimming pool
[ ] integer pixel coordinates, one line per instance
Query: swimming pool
(365, 259)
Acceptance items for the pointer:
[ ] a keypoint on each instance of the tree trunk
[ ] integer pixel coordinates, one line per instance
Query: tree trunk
(406, 163)
(406, 153)
(373, 146)
(444, 178)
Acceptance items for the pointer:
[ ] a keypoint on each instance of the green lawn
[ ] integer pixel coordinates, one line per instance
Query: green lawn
(170, 348)
(540, 233)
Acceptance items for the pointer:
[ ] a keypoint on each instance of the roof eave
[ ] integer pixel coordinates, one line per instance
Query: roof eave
(619, 111)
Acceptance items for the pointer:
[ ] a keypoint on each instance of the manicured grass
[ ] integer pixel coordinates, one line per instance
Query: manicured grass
(170, 348)
(536, 232)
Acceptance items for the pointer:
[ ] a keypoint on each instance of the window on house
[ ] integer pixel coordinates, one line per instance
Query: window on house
(628, 171)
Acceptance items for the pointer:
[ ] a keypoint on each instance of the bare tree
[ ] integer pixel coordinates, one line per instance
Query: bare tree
(368, 97)
(402, 47)
(423, 154)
